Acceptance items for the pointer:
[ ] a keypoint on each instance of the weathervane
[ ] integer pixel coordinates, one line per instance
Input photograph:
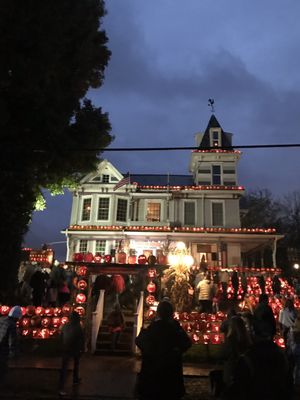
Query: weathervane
(211, 103)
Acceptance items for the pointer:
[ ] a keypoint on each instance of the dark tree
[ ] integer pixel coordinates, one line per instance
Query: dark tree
(52, 52)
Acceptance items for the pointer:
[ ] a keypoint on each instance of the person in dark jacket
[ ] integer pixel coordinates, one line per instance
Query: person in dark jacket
(162, 345)
(116, 323)
(72, 339)
(264, 322)
(8, 338)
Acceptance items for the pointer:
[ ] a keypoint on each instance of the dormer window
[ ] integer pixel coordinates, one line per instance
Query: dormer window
(215, 138)
(105, 178)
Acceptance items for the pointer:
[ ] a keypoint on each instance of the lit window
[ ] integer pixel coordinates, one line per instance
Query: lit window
(105, 178)
(103, 208)
(215, 139)
(153, 212)
(83, 246)
(122, 210)
(216, 175)
(189, 213)
(217, 214)
(86, 210)
(100, 246)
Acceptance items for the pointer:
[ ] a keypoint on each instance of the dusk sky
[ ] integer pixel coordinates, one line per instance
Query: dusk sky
(168, 58)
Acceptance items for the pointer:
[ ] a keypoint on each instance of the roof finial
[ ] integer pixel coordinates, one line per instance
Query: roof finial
(211, 103)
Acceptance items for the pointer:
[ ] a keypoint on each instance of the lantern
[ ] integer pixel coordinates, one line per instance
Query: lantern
(45, 322)
(67, 309)
(142, 259)
(151, 287)
(88, 257)
(39, 311)
(64, 320)
(82, 284)
(49, 312)
(107, 258)
(25, 322)
(121, 257)
(43, 333)
(56, 321)
(30, 310)
(78, 257)
(26, 332)
(152, 272)
(150, 300)
(57, 311)
(215, 339)
(80, 310)
(98, 258)
(5, 310)
(80, 298)
(81, 271)
(132, 259)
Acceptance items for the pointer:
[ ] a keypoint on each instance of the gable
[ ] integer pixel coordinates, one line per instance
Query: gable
(105, 173)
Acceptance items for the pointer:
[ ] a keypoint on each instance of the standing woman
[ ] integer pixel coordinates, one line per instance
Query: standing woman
(237, 341)
(162, 345)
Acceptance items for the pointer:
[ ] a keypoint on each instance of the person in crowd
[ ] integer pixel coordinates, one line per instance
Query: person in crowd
(244, 283)
(206, 293)
(294, 349)
(262, 283)
(235, 283)
(38, 284)
(264, 322)
(8, 338)
(224, 279)
(262, 372)
(116, 324)
(225, 324)
(162, 345)
(287, 317)
(237, 342)
(72, 339)
(276, 285)
(64, 293)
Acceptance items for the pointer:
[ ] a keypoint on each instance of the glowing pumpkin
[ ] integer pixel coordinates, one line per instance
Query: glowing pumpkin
(80, 298)
(151, 287)
(82, 284)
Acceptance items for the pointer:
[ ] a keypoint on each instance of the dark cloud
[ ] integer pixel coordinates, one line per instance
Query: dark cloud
(169, 57)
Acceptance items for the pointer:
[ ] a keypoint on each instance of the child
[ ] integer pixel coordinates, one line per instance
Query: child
(116, 323)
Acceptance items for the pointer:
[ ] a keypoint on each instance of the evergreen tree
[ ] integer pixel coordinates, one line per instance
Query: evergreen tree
(52, 52)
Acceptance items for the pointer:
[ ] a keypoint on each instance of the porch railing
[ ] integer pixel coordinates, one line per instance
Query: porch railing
(138, 321)
(97, 317)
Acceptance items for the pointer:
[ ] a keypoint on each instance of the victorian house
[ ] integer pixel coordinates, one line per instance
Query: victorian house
(145, 214)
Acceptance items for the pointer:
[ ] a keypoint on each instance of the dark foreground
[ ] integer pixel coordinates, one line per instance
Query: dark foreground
(103, 377)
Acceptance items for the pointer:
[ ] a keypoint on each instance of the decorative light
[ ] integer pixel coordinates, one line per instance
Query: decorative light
(296, 266)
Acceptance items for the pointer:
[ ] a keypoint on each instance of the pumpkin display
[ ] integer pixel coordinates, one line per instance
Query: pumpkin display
(82, 284)
(5, 310)
(39, 311)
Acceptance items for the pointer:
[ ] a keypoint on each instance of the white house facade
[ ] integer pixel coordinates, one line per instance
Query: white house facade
(145, 214)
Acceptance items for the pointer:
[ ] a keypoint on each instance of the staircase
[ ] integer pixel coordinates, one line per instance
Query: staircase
(124, 347)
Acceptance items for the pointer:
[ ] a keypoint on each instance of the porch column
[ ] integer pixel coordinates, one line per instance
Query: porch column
(274, 252)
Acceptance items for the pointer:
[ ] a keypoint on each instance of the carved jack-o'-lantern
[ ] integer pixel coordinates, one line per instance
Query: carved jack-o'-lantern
(57, 311)
(45, 322)
(152, 272)
(56, 321)
(151, 287)
(142, 259)
(81, 271)
(5, 310)
(67, 309)
(80, 310)
(150, 299)
(80, 298)
(64, 320)
(82, 284)
(39, 311)
(30, 310)
(49, 312)
(25, 322)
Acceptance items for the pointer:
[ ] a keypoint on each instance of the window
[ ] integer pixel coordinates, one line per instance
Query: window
(103, 208)
(105, 178)
(217, 214)
(215, 139)
(153, 212)
(83, 246)
(216, 175)
(122, 210)
(86, 209)
(189, 213)
(100, 246)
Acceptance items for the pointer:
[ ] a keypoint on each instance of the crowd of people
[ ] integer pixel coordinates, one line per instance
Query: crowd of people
(253, 366)
(44, 286)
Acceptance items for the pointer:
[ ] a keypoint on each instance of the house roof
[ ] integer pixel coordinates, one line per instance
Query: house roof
(225, 136)
(162, 180)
